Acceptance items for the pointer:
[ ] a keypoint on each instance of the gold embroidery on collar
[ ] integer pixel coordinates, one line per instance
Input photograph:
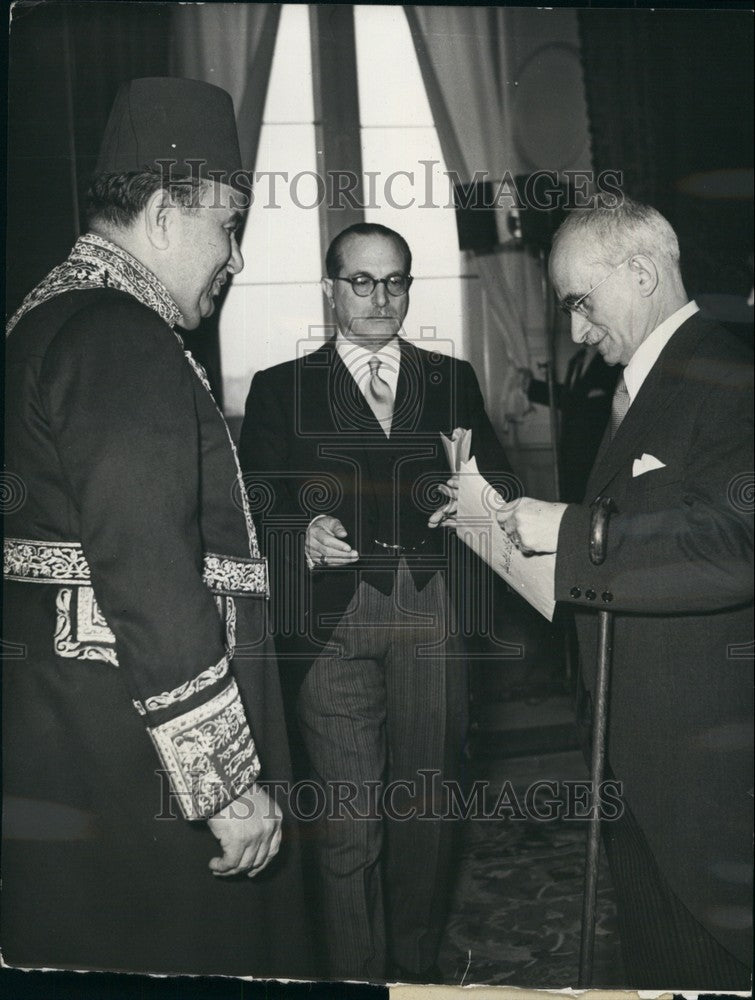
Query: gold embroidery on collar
(95, 262)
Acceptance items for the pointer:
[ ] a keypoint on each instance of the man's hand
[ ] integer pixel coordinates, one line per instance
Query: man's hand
(324, 546)
(249, 832)
(445, 515)
(532, 525)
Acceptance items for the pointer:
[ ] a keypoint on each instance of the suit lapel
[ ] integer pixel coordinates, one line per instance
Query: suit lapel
(314, 390)
(410, 389)
(350, 411)
(658, 392)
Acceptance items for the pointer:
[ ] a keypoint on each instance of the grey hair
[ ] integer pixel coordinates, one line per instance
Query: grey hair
(622, 229)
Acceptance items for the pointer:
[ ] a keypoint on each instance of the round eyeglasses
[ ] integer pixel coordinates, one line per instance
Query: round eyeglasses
(364, 284)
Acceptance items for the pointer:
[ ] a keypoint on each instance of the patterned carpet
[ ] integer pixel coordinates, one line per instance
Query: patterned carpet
(516, 911)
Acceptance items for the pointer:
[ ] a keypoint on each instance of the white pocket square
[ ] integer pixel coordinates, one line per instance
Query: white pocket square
(646, 464)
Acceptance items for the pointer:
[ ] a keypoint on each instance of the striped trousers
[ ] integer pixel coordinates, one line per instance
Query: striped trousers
(383, 715)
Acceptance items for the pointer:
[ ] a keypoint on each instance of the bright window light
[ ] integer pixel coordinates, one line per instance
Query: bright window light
(276, 301)
(405, 184)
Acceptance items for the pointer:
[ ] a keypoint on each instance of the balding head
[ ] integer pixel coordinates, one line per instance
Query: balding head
(616, 269)
(614, 233)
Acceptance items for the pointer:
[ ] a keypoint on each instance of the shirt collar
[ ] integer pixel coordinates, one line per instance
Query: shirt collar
(357, 359)
(650, 349)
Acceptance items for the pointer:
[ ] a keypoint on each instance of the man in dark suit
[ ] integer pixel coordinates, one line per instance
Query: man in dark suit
(348, 439)
(584, 399)
(677, 462)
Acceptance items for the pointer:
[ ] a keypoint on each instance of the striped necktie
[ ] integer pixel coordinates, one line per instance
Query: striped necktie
(379, 396)
(619, 406)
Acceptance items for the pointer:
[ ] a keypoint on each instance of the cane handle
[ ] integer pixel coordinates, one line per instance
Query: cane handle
(601, 513)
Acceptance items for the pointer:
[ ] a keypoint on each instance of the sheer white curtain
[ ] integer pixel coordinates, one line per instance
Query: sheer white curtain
(231, 46)
(463, 59)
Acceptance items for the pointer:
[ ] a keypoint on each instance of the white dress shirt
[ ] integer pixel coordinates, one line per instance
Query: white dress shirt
(650, 349)
(357, 360)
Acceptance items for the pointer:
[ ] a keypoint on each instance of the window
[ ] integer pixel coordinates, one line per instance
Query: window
(277, 296)
(274, 309)
(401, 149)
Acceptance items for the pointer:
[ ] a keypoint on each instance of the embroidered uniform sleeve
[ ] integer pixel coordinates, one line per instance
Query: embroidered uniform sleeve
(120, 404)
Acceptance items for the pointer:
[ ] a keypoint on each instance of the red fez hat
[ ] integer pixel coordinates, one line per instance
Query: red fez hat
(162, 123)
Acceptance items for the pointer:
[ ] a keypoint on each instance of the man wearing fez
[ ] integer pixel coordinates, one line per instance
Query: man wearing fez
(142, 705)
(677, 462)
(347, 440)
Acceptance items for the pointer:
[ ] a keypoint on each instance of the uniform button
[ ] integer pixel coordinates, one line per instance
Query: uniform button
(606, 596)
(575, 592)
(590, 595)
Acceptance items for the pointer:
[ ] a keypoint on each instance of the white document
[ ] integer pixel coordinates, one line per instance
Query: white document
(531, 576)
(457, 447)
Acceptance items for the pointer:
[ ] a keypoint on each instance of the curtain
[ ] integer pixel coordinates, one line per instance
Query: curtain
(627, 82)
(463, 64)
(671, 105)
(231, 46)
(67, 61)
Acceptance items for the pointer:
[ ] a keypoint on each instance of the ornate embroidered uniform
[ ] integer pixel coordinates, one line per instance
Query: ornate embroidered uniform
(135, 608)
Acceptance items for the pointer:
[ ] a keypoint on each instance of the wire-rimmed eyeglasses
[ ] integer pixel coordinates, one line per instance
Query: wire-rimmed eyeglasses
(577, 305)
(364, 284)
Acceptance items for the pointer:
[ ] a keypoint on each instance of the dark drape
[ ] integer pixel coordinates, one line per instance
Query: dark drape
(66, 63)
(231, 46)
(669, 96)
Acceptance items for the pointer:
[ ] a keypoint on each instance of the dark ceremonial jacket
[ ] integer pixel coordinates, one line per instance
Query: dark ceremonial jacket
(678, 576)
(139, 687)
(313, 446)
(584, 399)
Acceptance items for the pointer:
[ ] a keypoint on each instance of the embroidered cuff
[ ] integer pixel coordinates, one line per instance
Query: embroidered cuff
(231, 576)
(208, 753)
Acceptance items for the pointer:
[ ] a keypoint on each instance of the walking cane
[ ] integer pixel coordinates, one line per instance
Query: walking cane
(598, 547)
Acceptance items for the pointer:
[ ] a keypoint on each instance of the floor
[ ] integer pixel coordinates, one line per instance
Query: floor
(516, 909)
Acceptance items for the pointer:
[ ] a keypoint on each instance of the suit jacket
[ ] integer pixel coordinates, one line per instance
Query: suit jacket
(584, 399)
(678, 575)
(311, 445)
